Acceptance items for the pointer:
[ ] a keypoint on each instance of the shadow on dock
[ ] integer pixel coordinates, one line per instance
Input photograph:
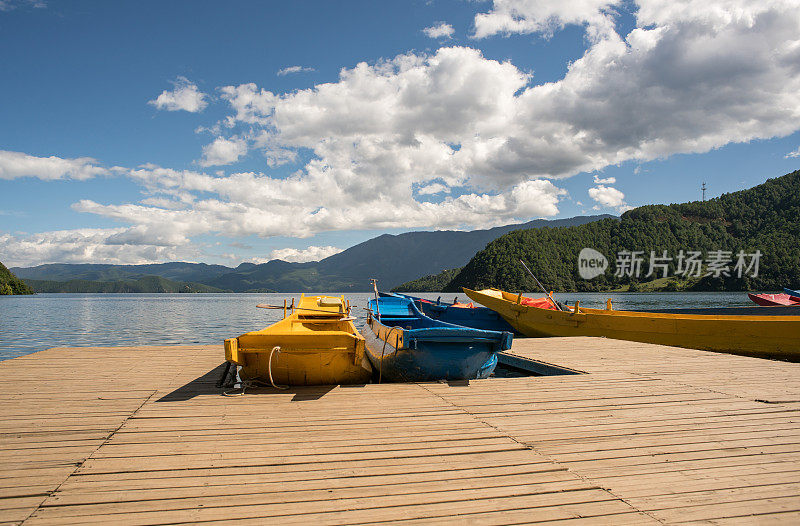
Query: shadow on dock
(207, 385)
(202, 385)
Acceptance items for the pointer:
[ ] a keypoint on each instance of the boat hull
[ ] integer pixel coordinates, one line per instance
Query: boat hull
(763, 336)
(305, 348)
(423, 355)
(792, 293)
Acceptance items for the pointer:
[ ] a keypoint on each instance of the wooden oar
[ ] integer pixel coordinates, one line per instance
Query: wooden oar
(555, 304)
(346, 318)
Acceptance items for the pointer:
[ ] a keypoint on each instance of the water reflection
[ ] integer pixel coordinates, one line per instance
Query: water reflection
(34, 323)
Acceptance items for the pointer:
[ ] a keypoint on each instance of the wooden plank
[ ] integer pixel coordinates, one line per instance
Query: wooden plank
(353, 510)
(678, 434)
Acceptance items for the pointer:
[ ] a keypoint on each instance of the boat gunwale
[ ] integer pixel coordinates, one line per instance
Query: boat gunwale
(642, 314)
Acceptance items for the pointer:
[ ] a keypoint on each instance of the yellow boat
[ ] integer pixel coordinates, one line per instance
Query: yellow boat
(751, 335)
(315, 344)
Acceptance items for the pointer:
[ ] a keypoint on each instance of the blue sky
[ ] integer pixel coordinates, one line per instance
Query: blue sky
(246, 131)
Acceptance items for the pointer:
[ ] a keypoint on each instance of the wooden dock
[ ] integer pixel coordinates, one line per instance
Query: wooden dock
(650, 435)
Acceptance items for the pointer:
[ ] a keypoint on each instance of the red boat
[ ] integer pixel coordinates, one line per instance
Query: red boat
(772, 300)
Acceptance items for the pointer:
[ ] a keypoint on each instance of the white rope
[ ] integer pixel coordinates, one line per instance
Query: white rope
(269, 369)
(247, 384)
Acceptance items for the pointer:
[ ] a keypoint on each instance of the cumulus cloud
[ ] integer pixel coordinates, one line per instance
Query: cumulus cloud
(86, 245)
(793, 154)
(186, 96)
(293, 69)
(431, 189)
(223, 151)
(440, 30)
(414, 118)
(685, 80)
(311, 253)
(14, 165)
(607, 180)
(8, 5)
(691, 76)
(302, 205)
(607, 196)
(545, 16)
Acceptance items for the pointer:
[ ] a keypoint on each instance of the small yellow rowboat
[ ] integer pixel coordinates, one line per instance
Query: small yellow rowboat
(316, 344)
(751, 335)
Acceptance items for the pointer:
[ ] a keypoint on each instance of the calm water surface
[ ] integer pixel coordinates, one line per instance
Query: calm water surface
(33, 323)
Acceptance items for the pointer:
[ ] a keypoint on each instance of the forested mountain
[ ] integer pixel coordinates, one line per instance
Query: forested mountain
(431, 283)
(140, 285)
(764, 218)
(392, 259)
(11, 284)
(176, 271)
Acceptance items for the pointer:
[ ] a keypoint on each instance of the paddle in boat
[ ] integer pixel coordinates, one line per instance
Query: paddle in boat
(772, 300)
(750, 331)
(404, 345)
(464, 314)
(315, 343)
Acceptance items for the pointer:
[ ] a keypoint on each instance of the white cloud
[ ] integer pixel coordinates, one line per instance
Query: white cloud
(14, 165)
(607, 196)
(433, 188)
(545, 16)
(302, 205)
(86, 245)
(186, 96)
(293, 69)
(223, 151)
(311, 253)
(679, 83)
(793, 154)
(8, 5)
(692, 76)
(414, 118)
(440, 30)
(607, 180)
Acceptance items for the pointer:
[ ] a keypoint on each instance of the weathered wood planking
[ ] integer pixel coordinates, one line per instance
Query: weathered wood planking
(651, 435)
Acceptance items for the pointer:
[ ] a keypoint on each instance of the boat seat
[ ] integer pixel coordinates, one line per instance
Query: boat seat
(330, 302)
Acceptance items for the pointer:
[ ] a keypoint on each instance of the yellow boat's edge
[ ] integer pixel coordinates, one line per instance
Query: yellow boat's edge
(761, 336)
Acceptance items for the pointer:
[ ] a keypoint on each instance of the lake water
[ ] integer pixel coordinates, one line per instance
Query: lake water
(42, 321)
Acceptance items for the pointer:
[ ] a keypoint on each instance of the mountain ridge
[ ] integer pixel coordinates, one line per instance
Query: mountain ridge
(391, 258)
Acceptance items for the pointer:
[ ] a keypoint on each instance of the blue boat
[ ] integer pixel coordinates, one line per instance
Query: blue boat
(474, 317)
(790, 292)
(404, 345)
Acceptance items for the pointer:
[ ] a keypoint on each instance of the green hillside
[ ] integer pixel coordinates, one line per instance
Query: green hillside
(10, 284)
(765, 218)
(432, 283)
(144, 284)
